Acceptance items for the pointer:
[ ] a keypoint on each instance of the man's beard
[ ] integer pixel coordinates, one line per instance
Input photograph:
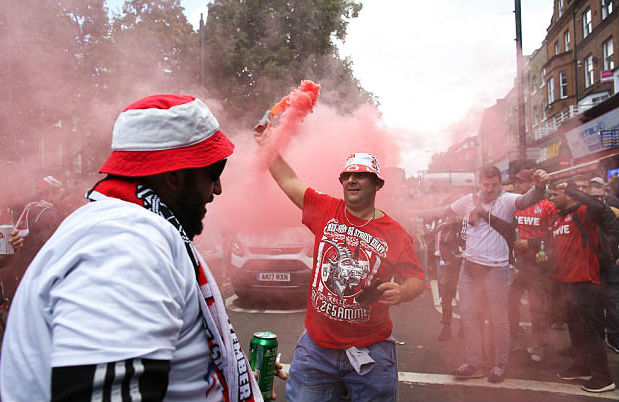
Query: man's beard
(188, 208)
(191, 220)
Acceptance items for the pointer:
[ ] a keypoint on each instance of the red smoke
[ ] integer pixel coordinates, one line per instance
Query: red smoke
(287, 115)
(251, 199)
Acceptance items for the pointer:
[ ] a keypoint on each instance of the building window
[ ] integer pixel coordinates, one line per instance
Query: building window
(560, 7)
(586, 23)
(588, 71)
(563, 84)
(533, 85)
(607, 8)
(566, 37)
(609, 62)
(542, 82)
(551, 90)
(535, 115)
(556, 47)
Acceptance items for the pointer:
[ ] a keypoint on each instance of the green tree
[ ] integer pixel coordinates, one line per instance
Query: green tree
(257, 50)
(154, 45)
(46, 47)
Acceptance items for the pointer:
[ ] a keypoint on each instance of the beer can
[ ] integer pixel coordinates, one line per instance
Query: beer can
(5, 233)
(262, 355)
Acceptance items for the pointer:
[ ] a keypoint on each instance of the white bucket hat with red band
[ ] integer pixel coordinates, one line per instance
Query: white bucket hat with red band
(360, 162)
(163, 133)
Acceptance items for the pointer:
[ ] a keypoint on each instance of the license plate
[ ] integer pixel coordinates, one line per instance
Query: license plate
(274, 276)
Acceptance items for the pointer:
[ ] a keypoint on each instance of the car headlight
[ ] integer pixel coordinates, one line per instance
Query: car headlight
(237, 249)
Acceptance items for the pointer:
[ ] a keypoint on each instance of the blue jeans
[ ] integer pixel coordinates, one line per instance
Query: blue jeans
(487, 287)
(320, 374)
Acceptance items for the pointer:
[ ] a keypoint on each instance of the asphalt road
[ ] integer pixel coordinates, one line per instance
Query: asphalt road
(424, 363)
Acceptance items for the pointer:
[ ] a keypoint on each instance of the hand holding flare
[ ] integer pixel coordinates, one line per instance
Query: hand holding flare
(282, 121)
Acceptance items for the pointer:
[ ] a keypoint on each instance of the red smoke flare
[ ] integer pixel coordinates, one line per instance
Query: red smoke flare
(284, 117)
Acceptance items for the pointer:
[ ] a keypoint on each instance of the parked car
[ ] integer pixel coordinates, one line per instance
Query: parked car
(275, 263)
(212, 246)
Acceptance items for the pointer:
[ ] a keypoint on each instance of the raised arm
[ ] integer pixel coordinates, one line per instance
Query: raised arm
(284, 176)
(595, 207)
(287, 180)
(536, 193)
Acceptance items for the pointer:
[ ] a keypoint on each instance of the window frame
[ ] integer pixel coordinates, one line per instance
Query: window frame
(556, 47)
(587, 24)
(563, 85)
(589, 74)
(566, 40)
(607, 8)
(609, 61)
(551, 90)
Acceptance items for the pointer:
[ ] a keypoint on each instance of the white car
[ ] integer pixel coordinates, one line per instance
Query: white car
(276, 263)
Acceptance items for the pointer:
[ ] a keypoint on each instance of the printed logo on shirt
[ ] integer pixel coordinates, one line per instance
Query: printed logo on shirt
(528, 220)
(561, 229)
(347, 260)
(537, 210)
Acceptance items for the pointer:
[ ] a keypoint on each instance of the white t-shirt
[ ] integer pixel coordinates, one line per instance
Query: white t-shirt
(484, 245)
(114, 282)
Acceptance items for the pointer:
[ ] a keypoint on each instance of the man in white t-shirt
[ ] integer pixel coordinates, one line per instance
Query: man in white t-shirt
(118, 304)
(487, 218)
(485, 276)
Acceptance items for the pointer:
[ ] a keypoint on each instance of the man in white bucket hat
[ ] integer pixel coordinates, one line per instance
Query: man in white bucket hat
(119, 304)
(364, 262)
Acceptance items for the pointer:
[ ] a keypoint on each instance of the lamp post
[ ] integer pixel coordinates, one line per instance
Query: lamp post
(522, 135)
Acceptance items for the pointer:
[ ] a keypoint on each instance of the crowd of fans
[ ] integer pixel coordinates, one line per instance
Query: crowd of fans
(563, 254)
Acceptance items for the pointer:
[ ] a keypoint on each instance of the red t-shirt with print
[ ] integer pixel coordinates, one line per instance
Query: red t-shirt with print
(347, 257)
(534, 222)
(573, 262)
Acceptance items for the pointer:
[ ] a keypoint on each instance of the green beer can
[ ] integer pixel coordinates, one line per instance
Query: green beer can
(262, 355)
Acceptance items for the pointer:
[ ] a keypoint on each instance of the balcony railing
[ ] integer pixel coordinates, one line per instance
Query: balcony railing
(551, 125)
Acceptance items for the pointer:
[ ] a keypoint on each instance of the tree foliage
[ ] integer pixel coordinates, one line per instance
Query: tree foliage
(47, 50)
(257, 50)
(67, 65)
(153, 41)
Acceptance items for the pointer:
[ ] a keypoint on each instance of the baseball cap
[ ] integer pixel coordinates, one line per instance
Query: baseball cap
(165, 132)
(598, 180)
(360, 162)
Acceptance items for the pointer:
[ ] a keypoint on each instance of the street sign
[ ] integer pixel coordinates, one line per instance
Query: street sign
(606, 76)
(609, 138)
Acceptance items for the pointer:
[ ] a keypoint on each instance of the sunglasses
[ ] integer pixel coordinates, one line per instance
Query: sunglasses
(217, 169)
(359, 175)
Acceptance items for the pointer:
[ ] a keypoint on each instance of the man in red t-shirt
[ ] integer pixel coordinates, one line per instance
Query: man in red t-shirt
(533, 273)
(578, 272)
(359, 252)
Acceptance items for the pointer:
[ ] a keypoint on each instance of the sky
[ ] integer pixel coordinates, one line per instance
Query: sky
(434, 65)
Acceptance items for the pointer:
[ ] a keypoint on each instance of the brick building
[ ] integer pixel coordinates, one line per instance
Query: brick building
(582, 40)
(575, 86)
(535, 93)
